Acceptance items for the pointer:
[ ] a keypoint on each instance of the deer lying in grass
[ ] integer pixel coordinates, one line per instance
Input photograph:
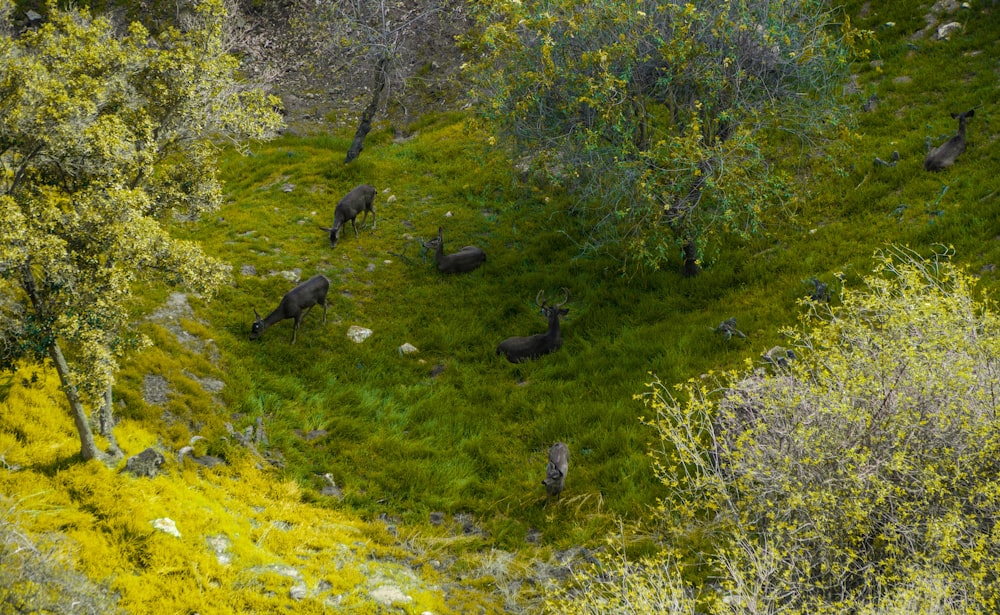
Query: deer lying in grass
(518, 349)
(361, 199)
(467, 259)
(555, 471)
(295, 304)
(945, 154)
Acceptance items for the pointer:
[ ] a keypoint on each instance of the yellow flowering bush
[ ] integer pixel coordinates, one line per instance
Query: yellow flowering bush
(860, 475)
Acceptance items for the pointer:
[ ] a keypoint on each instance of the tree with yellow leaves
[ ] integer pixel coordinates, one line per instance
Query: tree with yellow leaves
(106, 134)
(859, 476)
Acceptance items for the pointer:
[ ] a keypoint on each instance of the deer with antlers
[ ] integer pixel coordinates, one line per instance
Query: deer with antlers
(465, 260)
(518, 349)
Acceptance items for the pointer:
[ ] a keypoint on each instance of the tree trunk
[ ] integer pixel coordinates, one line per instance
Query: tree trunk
(88, 448)
(691, 266)
(369, 113)
(106, 425)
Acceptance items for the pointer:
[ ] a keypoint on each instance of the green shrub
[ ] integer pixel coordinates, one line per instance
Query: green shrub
(655, 115)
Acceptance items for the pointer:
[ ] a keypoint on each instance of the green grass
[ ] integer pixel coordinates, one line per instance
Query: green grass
(404, 443)
(474, 437)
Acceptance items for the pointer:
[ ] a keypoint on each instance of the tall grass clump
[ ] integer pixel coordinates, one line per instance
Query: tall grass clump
(859, 476)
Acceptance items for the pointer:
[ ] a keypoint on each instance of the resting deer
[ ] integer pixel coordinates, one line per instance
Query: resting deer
(945, 154)
(518, 349)
(555, 471)
(361, 199)
(467, 259)
(295, 304)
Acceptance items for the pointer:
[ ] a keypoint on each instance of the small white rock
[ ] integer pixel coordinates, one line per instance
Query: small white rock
(946, 30)
(389, 595)
(358, 334)
(408, 348)
(167, 526)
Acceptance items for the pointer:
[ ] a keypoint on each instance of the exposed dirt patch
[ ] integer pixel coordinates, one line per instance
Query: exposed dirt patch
(325, 86)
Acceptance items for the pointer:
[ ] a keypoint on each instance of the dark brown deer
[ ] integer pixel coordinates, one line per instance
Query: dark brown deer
(555, 471)
(467, 259)
(945, 154)
(295, 304)
(518, 349)
(361, 199)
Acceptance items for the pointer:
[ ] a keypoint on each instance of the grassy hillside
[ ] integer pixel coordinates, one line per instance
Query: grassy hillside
(453, 428)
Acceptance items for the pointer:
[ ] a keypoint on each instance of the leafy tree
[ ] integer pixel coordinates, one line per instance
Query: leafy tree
(861, 475)
(653, 114)
(105, 137)
(368, 37)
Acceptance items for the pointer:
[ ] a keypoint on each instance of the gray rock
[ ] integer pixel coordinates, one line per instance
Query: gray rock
(389, 595)
(155, 389)
(147, 463)
(944, 31)
(220, 544)
(358, 334)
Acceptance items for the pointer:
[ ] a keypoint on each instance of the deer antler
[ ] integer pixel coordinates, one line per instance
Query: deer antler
(566, 300)
(539, 296)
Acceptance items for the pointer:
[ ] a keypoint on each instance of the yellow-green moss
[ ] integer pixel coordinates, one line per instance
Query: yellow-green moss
(107, 515)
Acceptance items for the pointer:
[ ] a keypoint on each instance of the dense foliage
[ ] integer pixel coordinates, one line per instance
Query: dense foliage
(860, 475)
(454, 429)
(103, 139)
(652, 114)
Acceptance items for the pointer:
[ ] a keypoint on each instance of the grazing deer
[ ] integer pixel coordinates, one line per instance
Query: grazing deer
(295, 304)
(555, 471)
(945, 154)
(361, 199)
(517, 349)
(467, 259)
